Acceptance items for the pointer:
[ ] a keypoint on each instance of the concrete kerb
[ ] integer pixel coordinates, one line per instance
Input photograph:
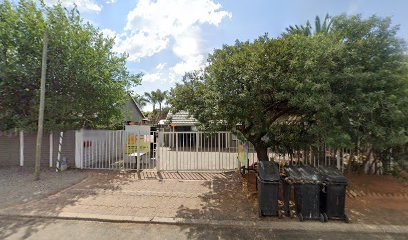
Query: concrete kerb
(303, 226)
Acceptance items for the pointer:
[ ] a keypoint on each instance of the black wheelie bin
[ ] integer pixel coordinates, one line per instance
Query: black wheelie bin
(268, 185)
(306, 182)
(333, 195)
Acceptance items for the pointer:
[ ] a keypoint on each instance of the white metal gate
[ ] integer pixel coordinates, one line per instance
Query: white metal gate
(197, 151)
(160, 151)
(115, 149)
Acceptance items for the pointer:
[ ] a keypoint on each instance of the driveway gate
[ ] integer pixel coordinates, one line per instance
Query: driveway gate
(160, 151)
(197, 151)
(115, 149)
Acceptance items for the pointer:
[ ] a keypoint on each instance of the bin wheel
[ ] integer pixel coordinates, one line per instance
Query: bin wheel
(300, 217)
(322, 218)
(326, 219)
(242, 170)
(346, 218)
(292, 213)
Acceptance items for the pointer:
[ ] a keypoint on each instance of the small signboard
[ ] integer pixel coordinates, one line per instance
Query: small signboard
(243, 154)
(137, 144)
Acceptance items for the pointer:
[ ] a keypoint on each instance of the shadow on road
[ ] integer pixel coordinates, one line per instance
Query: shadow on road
(226, 200)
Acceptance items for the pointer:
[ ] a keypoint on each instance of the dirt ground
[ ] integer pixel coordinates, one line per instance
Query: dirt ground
(18, 187)
(369, 199)
(377, 199)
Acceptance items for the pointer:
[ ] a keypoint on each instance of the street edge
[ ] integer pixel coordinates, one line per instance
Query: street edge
(272, 225)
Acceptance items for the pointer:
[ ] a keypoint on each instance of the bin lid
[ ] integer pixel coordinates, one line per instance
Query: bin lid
(268, 171)
(302, 174)
(331, 174)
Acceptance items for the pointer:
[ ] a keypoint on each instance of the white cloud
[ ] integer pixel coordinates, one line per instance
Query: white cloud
(160, 66)
(85, 5)
(108, 32)
(190, 64)
(141, 45)
(152, 25)
(110, 1)
(151, 77)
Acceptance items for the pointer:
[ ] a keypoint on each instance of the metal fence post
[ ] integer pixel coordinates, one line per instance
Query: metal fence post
(176, 151)
(79, 149)
(138, 151)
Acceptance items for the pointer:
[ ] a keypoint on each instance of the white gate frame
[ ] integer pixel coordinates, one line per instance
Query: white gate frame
(197, 151)
(109, 149)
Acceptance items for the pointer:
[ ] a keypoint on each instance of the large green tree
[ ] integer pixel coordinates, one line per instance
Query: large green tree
(338, 85)
(87, 82)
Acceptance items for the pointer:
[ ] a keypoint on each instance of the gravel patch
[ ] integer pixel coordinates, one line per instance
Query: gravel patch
(17, 185)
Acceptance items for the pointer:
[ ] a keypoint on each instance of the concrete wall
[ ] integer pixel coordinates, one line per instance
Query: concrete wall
(10, 148)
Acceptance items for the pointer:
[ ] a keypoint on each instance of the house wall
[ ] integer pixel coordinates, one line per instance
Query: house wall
(10, 148)
(131, 112)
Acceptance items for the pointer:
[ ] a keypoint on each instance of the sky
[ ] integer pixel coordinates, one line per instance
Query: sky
(166, 38)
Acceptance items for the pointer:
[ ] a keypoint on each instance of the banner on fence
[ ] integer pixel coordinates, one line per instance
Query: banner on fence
(243, 153)
(137, 144)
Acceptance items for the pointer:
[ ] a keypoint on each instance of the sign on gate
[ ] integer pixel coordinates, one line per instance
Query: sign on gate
(243, 153)
(137, 143)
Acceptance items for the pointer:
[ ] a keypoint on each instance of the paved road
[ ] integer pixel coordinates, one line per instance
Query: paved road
(213, 196)
(32, 228)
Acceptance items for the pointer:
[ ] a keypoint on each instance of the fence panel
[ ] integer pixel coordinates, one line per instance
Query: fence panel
(116, 149)
(197, 151)
(186, 151)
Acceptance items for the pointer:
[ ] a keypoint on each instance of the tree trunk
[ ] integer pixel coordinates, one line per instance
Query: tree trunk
(261, 151)
(160, 111)
(41, 110)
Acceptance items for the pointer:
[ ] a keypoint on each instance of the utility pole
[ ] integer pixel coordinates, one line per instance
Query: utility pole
(41, 110)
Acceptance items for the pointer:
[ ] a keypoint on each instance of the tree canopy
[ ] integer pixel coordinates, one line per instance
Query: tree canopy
(342, 86)
(87, 82)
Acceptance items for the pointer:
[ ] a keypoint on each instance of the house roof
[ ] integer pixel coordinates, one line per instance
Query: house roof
(137, 106)
(181, 118)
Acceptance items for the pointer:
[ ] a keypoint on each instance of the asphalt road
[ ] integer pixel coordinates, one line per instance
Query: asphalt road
(35, 228)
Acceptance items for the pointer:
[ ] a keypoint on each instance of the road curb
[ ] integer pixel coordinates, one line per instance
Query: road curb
(273, 225)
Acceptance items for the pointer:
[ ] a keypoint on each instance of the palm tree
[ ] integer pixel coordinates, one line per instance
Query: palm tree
(141, 100)
(324, 27)
(320, 27)
(305, 30)
(151, 98)
(160, 97)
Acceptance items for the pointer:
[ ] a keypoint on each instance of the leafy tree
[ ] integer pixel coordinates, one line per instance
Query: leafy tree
(87, 82)
(256, 88)
(346, 86)
(371, 85)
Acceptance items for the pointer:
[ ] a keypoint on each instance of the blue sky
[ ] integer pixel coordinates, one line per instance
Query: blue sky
(165, 38)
